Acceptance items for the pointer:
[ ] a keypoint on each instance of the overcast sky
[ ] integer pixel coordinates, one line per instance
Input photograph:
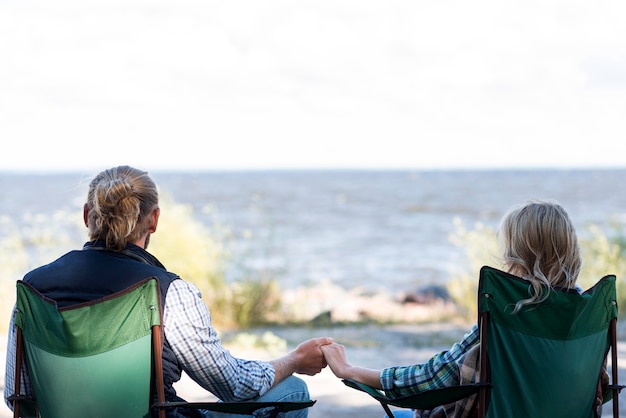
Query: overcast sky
(181, 84)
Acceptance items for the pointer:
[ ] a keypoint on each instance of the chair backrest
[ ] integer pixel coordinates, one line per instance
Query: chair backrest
(544, 360)
(92, 359)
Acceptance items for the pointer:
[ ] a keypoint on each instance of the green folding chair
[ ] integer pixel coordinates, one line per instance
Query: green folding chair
(544, 361)
(101, 359)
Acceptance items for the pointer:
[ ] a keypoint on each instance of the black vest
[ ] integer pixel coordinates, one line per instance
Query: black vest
(94, 272)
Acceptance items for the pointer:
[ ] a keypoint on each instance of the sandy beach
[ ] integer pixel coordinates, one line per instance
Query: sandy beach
(369, 345)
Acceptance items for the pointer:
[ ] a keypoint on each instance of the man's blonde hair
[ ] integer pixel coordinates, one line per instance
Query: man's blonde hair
(119, 203)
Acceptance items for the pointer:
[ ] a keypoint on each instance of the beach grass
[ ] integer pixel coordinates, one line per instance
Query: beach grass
(203, 253)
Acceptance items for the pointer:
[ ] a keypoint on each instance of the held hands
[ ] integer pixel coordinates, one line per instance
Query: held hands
(309, 357)
(315, 354)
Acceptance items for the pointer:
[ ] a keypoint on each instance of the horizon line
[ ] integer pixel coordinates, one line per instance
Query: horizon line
(61, 171)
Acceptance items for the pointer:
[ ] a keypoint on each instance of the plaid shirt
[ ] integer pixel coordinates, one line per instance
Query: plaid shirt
(469, 372)
(442, 370)
(188, 329)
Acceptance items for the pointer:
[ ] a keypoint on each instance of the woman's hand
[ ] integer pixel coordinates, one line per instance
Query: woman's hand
(335, 355)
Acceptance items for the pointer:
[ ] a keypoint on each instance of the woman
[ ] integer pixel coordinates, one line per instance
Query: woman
(540, 245)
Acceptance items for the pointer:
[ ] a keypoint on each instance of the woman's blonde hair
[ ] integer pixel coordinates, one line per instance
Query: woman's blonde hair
(119, 202)
(540, 245)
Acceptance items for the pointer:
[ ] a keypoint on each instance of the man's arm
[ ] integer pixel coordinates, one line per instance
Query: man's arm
(188, 329)
(9, 376)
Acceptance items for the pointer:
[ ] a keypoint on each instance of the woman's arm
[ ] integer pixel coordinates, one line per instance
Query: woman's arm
(441, 370)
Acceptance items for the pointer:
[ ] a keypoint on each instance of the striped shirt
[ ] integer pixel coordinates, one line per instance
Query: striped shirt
(441, 370)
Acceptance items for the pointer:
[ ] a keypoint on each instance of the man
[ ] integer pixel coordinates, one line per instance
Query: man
(121, 213)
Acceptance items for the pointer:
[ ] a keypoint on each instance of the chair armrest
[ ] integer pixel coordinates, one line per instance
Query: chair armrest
(423, 400)
(242, 408)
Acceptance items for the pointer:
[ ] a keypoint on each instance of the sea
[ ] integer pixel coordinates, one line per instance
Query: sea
(354, 228)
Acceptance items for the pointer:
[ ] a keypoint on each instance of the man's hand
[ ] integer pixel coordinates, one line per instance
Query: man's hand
(309, 357)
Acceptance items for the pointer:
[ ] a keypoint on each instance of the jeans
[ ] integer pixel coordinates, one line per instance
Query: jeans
(402, 413)
(291, 389)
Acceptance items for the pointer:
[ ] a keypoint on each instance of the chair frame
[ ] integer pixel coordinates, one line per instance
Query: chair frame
(429, 399)
(484, 390)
